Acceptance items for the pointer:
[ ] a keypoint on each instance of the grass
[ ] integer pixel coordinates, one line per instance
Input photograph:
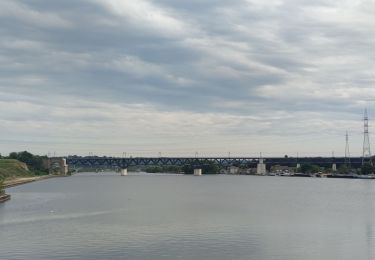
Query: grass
(12, 168)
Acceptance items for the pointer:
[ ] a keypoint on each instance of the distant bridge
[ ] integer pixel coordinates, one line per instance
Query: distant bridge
(123, 163)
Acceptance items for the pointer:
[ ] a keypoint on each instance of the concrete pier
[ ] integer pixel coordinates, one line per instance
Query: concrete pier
(334, 167)
(261, 167)
(56, 165)
(197, 172)
(124, 172)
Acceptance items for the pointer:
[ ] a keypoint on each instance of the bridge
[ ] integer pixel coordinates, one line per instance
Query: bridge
(260, 163)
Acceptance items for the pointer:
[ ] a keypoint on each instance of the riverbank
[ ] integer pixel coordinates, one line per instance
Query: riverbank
(23, 180)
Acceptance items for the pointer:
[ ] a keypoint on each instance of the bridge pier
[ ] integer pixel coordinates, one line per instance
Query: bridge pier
(334, 167)
(124, 172)
(56, 166)
(261, 167)
(197, 172)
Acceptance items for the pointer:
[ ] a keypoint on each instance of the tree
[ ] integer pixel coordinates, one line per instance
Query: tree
(13, 155)
(34, 162)
(208, 168)
(309, 168)
(343, 169)
(367, 169)
(163, 169)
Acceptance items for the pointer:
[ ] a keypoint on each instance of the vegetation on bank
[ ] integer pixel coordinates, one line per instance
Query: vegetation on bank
(33, 162)
(163, 169)
(309, 168)
(367, 169)
(21, 164)
(2, 187)
(209, 168)
(13, 168)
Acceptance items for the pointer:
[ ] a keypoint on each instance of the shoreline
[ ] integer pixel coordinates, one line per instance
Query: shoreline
(20, 181)
(24, 180)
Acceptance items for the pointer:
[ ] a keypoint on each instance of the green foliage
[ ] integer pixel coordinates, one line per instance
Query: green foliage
(343, 169)
(163, 169)
(367, 169)
(208, 168)
(14, 165)
(2, 187)
(34, 162)
(309, 168)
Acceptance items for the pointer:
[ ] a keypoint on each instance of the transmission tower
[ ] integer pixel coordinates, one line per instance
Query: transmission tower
(347, 153)
(366, 156)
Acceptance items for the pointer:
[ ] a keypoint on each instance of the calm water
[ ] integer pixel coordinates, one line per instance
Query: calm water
(91, 216)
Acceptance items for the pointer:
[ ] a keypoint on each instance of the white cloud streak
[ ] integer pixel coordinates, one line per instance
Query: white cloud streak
(210, 76)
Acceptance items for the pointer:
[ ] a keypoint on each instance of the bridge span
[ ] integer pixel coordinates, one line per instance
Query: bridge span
(260, 163)
(251, 162)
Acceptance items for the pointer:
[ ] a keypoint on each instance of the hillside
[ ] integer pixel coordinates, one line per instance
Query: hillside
(10, 168)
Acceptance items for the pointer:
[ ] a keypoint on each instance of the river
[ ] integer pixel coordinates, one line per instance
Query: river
(106, 216)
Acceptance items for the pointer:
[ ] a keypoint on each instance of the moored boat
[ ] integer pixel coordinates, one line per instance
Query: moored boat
(4, 198)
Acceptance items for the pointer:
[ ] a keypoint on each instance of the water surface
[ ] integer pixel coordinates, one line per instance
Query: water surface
(106, 216)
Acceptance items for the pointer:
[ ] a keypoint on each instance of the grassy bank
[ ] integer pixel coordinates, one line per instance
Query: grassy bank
(10, 169)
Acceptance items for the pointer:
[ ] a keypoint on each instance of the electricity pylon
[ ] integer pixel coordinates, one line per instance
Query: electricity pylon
(366, 155)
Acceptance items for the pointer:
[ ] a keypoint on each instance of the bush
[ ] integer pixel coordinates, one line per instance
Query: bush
(208, 168)
(163, 169)
(344, 169)
(309, 168)
(367, 169)
(2, 187)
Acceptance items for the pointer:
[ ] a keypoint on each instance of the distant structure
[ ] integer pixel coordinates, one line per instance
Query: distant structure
(56, 165)
(366, 155)
(261, 166)
(347, 152)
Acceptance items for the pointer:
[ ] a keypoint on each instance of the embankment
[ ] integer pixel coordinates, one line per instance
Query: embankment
(13, 173)
(10, 169)
(23, 180)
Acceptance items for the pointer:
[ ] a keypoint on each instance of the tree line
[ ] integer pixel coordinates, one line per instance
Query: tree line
(33, 162)
(208, 168)
(366, 169)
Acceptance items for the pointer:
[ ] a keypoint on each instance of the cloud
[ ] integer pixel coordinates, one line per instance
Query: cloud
(244, 75)
(20, 12)
(147, 16)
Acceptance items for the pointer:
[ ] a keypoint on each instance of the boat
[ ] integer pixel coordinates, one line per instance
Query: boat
(4, 198)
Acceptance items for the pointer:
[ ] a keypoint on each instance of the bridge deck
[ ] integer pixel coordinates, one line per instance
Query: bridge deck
(221, 161)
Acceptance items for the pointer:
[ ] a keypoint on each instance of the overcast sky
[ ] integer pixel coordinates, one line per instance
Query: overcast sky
(179, 77)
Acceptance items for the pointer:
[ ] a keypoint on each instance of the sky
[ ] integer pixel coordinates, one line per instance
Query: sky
(179, 78)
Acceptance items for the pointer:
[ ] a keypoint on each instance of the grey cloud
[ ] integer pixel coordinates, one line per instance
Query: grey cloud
(239, 58)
